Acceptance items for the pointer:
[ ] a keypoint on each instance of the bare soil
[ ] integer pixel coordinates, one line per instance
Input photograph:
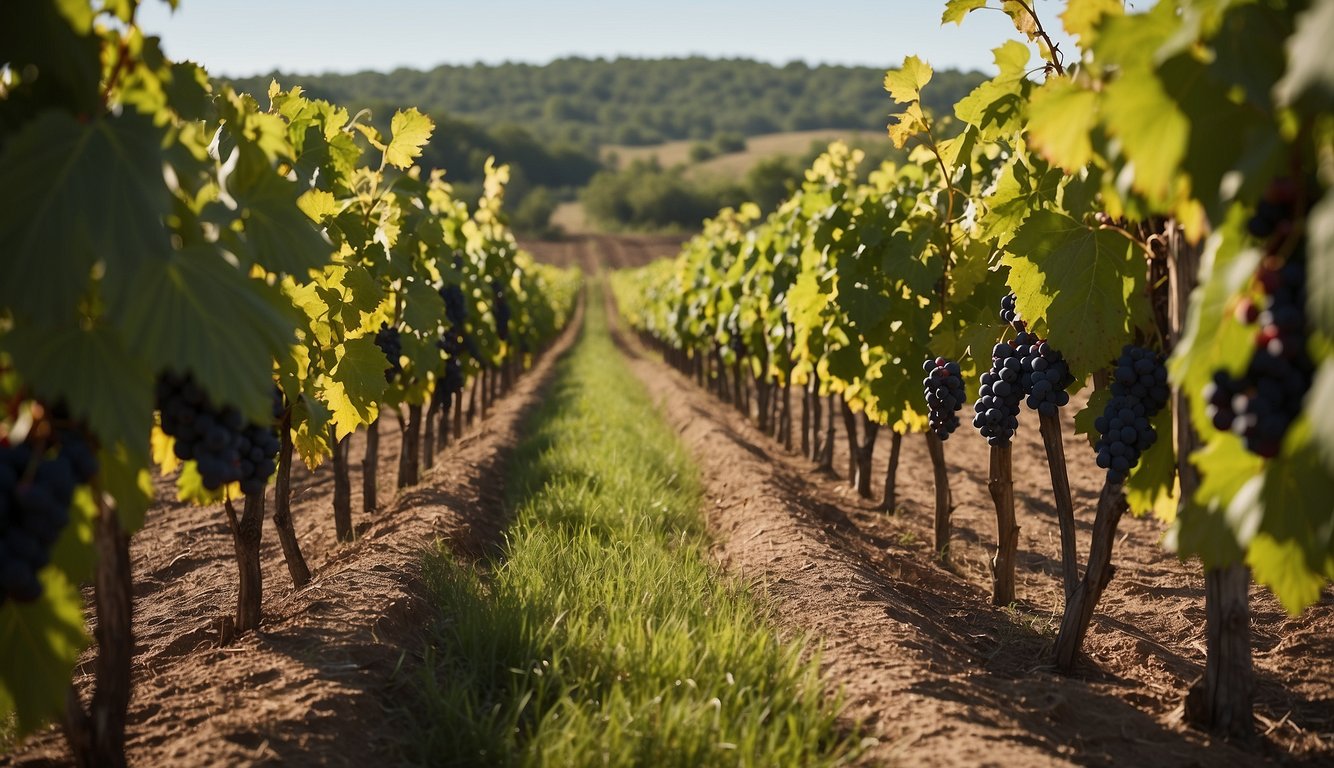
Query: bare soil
(321, 681)
(934, 672)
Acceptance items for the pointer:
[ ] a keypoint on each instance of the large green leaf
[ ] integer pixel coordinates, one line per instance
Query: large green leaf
(73, 194)
(354, 387)
(198, 313)
(996, 107)
(1084, 286)
(93, 373)
(42, 640)
(279, 235)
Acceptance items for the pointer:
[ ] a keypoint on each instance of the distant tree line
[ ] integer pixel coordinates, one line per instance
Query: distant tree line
(549, 123)
(589, 103)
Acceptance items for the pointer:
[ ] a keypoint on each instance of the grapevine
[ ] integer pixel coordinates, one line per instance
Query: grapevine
(1139, 391)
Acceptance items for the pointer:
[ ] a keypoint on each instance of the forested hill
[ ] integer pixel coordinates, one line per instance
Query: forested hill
(591, 102)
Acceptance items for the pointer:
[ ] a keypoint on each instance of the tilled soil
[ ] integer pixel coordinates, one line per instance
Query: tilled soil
(320, 682)
(936, 674)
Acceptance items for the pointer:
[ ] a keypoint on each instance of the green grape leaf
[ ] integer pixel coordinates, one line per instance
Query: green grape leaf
(996, 106)
(1225, 466)
(310, 438)
(42, 641)
(1282, 567)
(1212, 338)
(73, 553)
(1292, 525)
(905, 84)
(1151, 486)
(1320, 410)
(411, 130)
(1084, 287)
(1320, 263)
(956, 10)
(1152, 129)
(1061, 117)
(125, 478)
(92, 371)
(75, 194)
(423, 309)
(198, 313)
(1082, 17)
(1310, 77)
(279, 235)
(1019, 192)
(354, 387)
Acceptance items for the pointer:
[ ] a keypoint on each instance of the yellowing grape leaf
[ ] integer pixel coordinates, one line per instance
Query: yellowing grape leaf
(1061, 115)
(410, 130)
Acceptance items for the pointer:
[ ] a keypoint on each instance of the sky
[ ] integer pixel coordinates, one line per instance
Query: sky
(247, 37)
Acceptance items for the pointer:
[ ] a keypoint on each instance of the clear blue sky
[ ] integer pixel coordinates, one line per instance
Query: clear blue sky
(244, 37)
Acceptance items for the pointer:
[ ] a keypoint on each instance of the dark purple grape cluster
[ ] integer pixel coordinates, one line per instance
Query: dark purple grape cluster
(943, 387)
(1261, 404)
(997, 406)
(37, 485)
(391, 344)
(1009, 315)
(1044, 376)
(456, 306)
(217, 439)
(1139, 392)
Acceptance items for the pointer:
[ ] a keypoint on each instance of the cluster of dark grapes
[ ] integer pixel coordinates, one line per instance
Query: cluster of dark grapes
(1139, 392)
(36, 489)
(502, 310)
(451, 382)
(1009, 315)
(391, 344)
(943, 387)
(456, 306)
(997, 405)
(1044, 376)
(217, 439)
(1261, 404)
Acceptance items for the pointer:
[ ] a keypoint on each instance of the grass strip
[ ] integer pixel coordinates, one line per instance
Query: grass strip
(604, 635)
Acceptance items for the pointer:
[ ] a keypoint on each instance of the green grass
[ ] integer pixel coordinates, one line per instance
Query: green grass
(604, 635)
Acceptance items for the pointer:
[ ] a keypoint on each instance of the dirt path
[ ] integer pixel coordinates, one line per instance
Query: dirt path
(316, 684)
(941, 677)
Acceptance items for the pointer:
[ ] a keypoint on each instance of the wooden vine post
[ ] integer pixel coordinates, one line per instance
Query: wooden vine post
(891, 497)
(342, 490)
(944, 503)
(282, 506)
(1050, 425)
(1223, 700)
(1000, 482)
(96, 736)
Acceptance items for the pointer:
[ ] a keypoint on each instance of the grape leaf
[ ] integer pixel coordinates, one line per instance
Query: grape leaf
(1320, 263)
(42, 641)
(1152, 130)
(354, 387)
(905, 84)
(996, 106)
(1084, 286)
(411, 130)
(1310, 77)
(1082, 17)
(956, 10)
(92, 371)
(1061, 117)
(279, 235)
(198, 313)
(75, 194)
(1152, 486)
